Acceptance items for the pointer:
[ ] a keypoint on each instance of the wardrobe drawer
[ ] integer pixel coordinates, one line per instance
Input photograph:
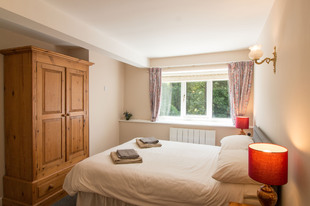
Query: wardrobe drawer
(50, 186)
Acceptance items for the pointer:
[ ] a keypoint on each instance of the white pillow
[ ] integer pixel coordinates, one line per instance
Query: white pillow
(236, 142)
(232, 167)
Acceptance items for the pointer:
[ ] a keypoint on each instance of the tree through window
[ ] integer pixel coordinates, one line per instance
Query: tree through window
(195, 99)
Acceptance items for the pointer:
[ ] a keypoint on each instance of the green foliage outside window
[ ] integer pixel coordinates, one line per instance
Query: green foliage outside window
(196, 98)
(220, 104)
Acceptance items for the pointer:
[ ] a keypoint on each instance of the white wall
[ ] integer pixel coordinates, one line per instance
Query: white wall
(105, 106)
(137, 99)
(131, 129)
(281, 100)
(106, 92)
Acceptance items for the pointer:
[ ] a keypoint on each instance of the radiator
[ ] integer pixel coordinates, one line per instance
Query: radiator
(195, 136)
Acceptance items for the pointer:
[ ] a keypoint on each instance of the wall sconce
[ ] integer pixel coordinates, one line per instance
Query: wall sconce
(256, 53)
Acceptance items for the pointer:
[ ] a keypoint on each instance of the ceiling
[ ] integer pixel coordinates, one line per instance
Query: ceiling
(163, 28)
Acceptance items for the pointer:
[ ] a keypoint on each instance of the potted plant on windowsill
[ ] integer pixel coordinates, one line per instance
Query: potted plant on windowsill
(127, 115)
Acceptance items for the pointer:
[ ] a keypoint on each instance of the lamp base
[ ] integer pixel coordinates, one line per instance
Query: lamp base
(267, 196)
(242, 132)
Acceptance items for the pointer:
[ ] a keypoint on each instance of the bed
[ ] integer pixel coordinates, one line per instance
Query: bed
(175, 174)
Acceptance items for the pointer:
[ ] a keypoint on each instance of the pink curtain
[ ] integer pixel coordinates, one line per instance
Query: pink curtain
(155, 91)
(240, 76)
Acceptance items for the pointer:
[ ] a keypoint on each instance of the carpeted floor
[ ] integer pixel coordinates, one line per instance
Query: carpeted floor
(66, 201)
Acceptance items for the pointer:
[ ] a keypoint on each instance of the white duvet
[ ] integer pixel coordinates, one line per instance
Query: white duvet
(175, 174)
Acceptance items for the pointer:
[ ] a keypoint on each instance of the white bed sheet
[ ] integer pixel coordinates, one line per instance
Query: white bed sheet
(175, 174)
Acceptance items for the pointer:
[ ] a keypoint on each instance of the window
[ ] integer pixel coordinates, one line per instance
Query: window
(170, 99)
(220, 97)
(195, 97)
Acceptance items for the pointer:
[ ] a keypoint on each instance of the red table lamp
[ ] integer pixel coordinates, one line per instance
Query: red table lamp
(268, 165)
(242, 123)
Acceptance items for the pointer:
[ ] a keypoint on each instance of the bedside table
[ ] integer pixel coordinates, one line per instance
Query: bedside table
(238, 204)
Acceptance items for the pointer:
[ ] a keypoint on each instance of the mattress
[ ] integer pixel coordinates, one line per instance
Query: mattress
(175, 174)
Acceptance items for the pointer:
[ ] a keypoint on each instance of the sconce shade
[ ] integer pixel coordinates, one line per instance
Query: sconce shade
(268, 163)
(255, 52)
(242, 122)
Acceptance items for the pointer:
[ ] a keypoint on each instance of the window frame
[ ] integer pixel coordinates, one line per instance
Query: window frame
(209, 104)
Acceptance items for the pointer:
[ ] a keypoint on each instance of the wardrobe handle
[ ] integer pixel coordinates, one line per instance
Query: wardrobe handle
(63, 115)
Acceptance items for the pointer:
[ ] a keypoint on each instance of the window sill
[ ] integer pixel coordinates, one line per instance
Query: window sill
(192, 123)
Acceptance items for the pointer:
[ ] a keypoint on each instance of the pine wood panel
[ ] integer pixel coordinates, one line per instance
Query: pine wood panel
(45, 187)
(50, 186)
(18, 115)
(42, 192)
(50, 116)
(18, 190)
(77, 106)
(50, 54)
(238, 204)
(76, 137)
(76, 93)
(46, 123)
(52, 140)
(53, 89)
(47, 201)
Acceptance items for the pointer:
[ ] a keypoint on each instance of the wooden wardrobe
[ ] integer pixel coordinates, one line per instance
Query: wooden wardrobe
(46, 123)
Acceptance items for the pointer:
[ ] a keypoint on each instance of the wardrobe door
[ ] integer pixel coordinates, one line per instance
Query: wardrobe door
(50, 117)
(77, 116)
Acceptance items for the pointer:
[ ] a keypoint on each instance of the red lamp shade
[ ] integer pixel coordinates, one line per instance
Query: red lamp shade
(242, 122)
(268, 163)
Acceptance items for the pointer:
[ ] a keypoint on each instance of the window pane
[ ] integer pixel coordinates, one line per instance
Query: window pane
(170, 99)
(196, 98)
(220, 104)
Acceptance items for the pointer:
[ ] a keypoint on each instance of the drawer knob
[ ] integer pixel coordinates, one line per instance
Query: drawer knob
(50, 187)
